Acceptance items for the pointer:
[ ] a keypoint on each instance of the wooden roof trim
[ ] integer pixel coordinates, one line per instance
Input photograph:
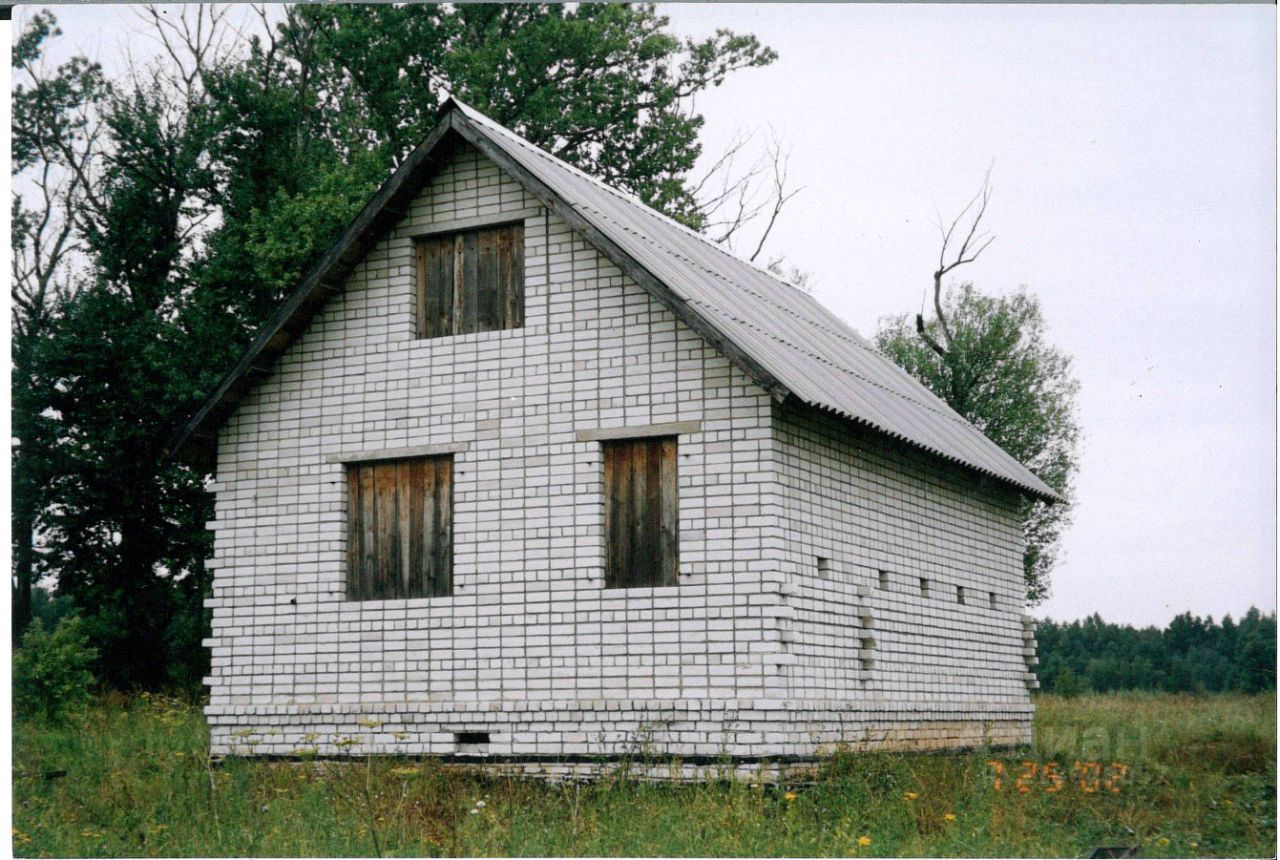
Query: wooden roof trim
(322, 281)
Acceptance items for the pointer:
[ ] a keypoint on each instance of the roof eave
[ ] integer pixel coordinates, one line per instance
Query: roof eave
(1038, 490)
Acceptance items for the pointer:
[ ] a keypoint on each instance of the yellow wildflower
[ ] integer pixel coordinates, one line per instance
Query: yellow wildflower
(911, 795)
(789, 796)
(864, 841)
(1162, 841)
(950, 816)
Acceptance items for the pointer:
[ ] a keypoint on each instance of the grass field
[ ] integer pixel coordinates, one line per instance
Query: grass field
(1179, 776)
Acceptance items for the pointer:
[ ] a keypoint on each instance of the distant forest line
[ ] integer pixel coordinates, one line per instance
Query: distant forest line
(1191, 655)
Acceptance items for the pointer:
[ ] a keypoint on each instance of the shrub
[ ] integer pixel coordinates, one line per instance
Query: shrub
(51, 670)
(1068, 684)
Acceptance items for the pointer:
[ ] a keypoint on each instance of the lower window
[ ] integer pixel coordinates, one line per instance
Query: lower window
(641, 512)
(400, 528)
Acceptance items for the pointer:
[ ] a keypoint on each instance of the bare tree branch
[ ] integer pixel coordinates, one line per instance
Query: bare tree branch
(729, 198)
(194, 41)
(975, 242)
(780, 193)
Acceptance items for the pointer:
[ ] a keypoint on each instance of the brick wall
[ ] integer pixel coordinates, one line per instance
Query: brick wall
(529, 621)
(752, 654)
(879, 539)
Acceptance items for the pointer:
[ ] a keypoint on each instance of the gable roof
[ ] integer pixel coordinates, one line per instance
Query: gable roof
(783, 339)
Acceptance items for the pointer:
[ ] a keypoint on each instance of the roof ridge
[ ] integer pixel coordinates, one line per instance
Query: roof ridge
(857, 339)
(473, 113)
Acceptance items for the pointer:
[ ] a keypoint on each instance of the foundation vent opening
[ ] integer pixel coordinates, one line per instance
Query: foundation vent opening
(471, 742)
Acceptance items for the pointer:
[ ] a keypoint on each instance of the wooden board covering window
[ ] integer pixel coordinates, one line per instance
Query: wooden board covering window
(471, 281)
(641, 512)
(400, 528)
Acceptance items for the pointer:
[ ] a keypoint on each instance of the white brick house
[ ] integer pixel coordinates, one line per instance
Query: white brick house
(525, 469)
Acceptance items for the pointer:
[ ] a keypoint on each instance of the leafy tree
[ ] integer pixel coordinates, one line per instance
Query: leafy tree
(218, 176)
(126, 534)
(48, 609)
(988, 358)
(603, 86)
(54, 147)
(1000, 373)
(1191, 655)
(51, 670)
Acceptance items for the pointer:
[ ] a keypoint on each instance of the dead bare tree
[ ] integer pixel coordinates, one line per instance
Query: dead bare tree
(730, 198)
(976, 241)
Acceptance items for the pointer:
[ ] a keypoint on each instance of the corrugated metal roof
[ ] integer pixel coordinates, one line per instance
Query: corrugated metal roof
(816, 356)
(783, 338)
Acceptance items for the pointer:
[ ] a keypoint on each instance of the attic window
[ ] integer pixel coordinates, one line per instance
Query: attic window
(882, 579)
(824, 567)
(471, 281)
(924, 587)
(960, 594)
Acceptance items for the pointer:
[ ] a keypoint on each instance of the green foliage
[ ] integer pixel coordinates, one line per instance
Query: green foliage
(49, 609)
(603, 86)
(51, 674)
(1200, 782)
(1191, 655)
(1003, 376)
(125, 532)
(50, 139)
(211, 197)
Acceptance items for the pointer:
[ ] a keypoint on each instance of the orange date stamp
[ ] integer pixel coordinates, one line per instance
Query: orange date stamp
(1050, 777)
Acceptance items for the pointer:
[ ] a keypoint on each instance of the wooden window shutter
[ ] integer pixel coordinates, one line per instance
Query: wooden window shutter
(471, 281)
(400, 529)
(641, 512)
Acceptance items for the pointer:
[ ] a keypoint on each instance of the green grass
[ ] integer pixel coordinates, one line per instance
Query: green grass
(1200, 781)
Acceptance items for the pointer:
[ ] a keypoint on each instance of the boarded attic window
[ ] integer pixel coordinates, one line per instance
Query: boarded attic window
(471, 281)
(641, 512)
(400, 529)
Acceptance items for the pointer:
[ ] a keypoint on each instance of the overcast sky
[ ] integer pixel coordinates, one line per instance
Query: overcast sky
(1134, 159)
